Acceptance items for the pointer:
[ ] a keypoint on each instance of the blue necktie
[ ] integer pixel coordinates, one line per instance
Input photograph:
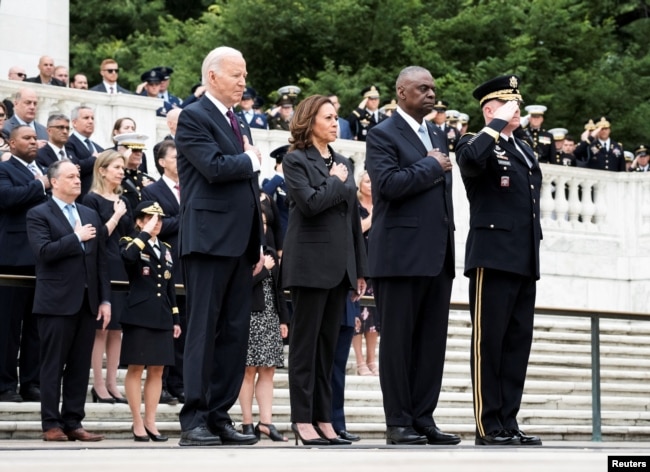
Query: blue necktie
(424, 137)
(71, 218)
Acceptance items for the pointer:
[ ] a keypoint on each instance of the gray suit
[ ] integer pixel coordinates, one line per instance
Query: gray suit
(11, 123)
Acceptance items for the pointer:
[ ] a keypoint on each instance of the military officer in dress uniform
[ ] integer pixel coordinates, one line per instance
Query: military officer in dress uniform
(284, 111)
(502, 180)
(367, 114)
(131, 146)
(247, 111)
(560, 157)
(598, 151)
(641, 162)
(151, 86)
(171, 101)
(440, 119)
(542, 140)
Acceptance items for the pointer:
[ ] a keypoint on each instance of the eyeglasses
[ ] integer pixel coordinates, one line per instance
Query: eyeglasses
(112, 71)
(60, 127)
(22, 75)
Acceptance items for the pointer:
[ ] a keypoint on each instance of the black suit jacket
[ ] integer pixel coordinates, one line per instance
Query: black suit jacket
(37, 80)
(11, 123)
(46, 156)
(63, 267)
(412, 216)
(220, 210)
(85, 160)
(324, 243)
(19, 191)
(100, 87)
(504, 194)
(161, 193)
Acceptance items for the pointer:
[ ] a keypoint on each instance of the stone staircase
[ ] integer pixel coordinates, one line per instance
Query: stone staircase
(556, 404)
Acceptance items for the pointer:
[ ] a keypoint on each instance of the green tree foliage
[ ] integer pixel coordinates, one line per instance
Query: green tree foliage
(581, 59)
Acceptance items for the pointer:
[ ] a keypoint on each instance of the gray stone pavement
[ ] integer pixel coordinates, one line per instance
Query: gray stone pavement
(370, 455)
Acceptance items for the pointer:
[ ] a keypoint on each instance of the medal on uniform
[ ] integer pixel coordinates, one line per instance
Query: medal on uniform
(167, 275)
(505, 181)
(146, 271)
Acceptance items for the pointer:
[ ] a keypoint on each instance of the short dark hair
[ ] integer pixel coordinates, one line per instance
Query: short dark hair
(160, 150)
(53, 169)
(57, 117)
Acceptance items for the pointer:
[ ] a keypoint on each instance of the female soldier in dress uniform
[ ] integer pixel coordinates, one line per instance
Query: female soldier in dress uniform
(150, 321)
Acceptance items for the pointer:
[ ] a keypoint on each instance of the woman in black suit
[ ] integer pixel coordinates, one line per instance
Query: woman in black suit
(324, 257)
(150, 320)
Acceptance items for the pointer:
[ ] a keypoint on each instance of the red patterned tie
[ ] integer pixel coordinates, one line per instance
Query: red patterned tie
(235, 126)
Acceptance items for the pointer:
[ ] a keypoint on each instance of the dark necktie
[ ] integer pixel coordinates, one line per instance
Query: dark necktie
(89, 145)
(234, 124)
(62, 155)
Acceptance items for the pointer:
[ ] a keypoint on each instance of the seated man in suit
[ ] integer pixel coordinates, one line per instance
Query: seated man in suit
(72, 289)
(110, 71)
(81, 145)
(22, 186)
(46, 73)
(25, 103)
(166, 192)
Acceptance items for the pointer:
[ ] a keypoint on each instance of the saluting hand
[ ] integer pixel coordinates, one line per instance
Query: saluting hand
(85, 232)
(506, 111)
(151, 224)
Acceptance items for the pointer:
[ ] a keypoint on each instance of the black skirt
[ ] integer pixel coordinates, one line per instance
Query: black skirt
(146, 346)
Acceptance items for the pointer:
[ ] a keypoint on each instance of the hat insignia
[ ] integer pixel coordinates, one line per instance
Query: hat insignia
(513, 82)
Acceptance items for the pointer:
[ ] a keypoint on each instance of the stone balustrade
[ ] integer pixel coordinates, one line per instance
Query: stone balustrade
(596, 247)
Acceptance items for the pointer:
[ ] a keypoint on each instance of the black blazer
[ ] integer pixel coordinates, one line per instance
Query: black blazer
(220, 210)
(151, 302)
(37, 80)
(258, 302)
(324, 243)
(19, 191)
(413, 215)
(161, 193)
(79, 149)
(504, 194)
(62, 262)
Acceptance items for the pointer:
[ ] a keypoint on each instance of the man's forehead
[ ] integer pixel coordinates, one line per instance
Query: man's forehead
(26, 134)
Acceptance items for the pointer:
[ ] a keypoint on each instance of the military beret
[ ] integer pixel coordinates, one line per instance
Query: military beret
(504, 87)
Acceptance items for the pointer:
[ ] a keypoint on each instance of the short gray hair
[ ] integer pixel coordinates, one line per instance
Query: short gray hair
(57, 117)
(213, 60)
(74, 114)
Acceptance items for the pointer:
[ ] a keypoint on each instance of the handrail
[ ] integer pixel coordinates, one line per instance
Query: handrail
(595, 316)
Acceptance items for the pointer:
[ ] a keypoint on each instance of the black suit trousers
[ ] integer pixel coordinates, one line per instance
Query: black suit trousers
(218, 303)
(315, 326)
(19, 333)
(502, 306)
(414, 314)
(66, 348)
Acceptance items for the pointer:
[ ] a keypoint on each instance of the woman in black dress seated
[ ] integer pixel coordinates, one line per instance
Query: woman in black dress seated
(150, 320)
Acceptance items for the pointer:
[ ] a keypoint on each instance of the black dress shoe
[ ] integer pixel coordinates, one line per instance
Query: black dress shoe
(30, 394)
(229, 435)
(404, 435)
(496, 438)
(524, 439)
(10, 396)
(349, 436)
(168, 398)
(437, 437)
(199, 436)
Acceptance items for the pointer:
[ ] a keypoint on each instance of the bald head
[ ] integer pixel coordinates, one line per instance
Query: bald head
(46, 68)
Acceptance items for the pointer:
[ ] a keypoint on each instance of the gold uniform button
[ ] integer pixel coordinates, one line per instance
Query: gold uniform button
(157, 294)
(532, 187)
(159, 266)
(159, 285)
(491, 226)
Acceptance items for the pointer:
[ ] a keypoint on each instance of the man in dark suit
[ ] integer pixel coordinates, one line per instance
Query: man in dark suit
(220, 236)
(502, 179)
(166, 192)
(25, 103)
(72, 289)
(22, 186)
(411, 256)
(46, 73)
(110, 72)
(81, 145)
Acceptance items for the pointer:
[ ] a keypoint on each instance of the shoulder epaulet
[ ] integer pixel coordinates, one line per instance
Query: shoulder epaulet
(126, 239)
(356, 113)
(167, 244)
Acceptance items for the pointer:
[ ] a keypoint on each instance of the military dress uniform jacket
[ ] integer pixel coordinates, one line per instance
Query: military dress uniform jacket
(542, 142)
(361, 121)
(452, 135)
(151, 302)
(503, 193)
(594, 156)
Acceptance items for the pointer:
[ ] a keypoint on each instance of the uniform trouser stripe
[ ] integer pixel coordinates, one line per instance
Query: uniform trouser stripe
(476, 341)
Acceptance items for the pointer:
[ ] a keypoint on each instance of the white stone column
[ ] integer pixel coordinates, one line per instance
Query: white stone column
(31, 29)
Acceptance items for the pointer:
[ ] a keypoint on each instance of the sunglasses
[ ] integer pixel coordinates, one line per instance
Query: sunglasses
(112, 71)
(60, 127)
(22, 75)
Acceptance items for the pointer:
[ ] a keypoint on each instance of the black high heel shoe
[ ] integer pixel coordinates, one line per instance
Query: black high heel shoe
(273, 434)
(98, 399)
(117, 399)
(335, 441)
(156, 437)
(308, 442)
(137, 438)
(248, 429)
